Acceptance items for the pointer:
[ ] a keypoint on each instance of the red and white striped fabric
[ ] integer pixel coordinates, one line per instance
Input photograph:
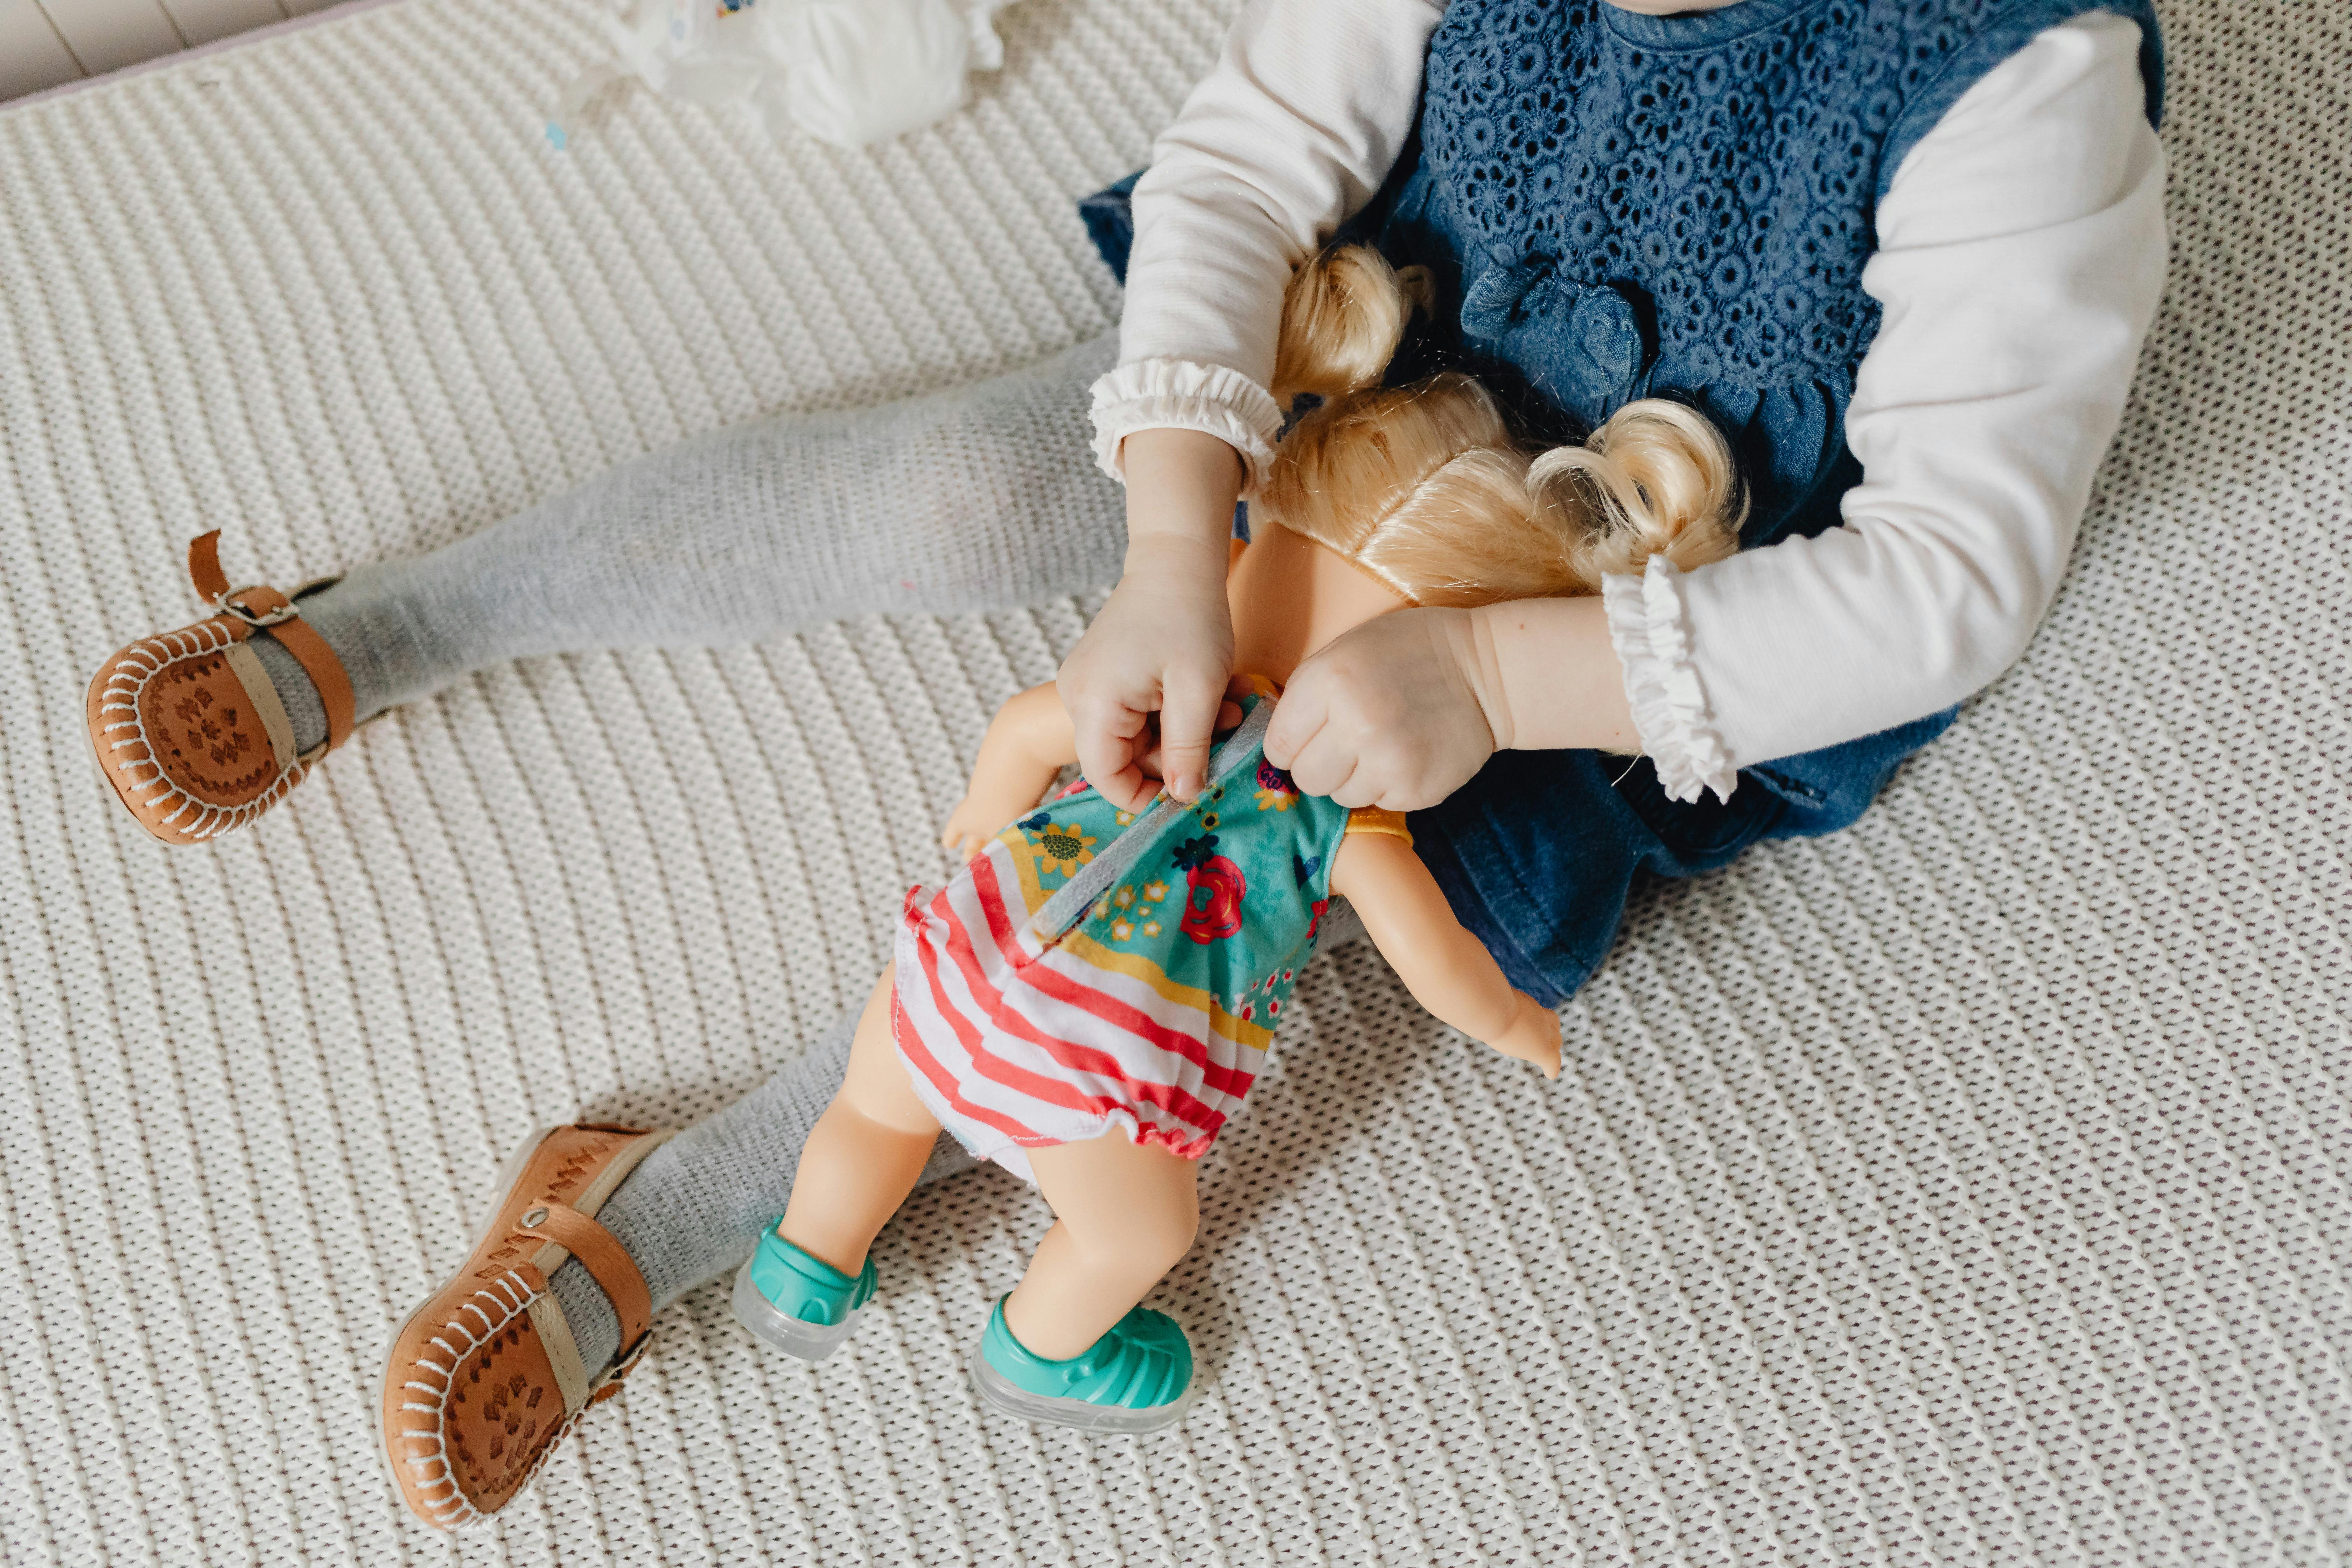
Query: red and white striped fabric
(1016, 1044)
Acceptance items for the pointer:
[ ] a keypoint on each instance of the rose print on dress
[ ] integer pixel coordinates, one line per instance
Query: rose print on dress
(1213, 886)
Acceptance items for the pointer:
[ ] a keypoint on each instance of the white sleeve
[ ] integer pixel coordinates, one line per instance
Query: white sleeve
(1292, 131)
(2021, 254)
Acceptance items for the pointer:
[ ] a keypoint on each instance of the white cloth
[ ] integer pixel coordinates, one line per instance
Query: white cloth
(849, 72)
(2020, 254)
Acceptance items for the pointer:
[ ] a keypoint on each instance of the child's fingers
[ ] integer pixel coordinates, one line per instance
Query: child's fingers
(1189, 702)
(1229, 716)
(1107, 732)
(1297, 719)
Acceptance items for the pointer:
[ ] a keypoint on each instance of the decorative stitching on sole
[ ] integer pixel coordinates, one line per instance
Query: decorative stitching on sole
(451, 1510)
(125, 681)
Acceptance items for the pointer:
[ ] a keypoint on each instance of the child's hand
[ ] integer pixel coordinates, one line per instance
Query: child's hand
(1532, 1036)
(1397, 713)
(1164, 642)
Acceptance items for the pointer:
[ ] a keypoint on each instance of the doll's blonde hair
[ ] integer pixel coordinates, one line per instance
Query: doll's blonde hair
(1422, 485)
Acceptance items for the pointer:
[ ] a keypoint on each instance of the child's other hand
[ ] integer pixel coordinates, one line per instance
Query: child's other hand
(1533, 1035)
(1164, 642)
(1393, 714)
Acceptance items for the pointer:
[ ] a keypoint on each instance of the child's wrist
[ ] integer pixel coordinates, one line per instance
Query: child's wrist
(1177, 560)
(1482, 670)
(1181, 485)
(1549, 677)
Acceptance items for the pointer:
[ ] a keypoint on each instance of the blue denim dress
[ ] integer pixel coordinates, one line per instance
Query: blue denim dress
(1615, 206)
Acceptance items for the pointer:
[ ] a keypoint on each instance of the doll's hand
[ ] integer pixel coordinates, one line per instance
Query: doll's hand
(1393, 714)
(1533, 1035)
(978, 818)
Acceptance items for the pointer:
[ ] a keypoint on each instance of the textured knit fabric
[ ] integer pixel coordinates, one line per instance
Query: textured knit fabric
(696, 1206)
(1965, 1188)
(1092, 971)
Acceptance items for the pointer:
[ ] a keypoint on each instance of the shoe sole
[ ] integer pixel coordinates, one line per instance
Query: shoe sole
(508, 1175)
(780, 1331)
(1001, 1393)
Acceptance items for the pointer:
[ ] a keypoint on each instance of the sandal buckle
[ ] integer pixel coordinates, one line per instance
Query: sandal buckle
(227, 606)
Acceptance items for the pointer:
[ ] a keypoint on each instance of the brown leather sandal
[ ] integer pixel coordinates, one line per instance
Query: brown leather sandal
(483, 1380)
(186, 725)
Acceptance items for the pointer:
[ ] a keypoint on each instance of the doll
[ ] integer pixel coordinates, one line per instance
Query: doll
(1088, 1001)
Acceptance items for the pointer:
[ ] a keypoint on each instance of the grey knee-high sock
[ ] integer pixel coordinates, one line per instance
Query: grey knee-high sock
(695, 1207)
(980, 498)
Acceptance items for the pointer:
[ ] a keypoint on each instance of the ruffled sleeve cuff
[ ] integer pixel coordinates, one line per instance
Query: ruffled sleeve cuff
(1646, 627)
(1161, 393)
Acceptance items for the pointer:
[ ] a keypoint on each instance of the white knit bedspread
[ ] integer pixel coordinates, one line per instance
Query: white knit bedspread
(1972, 1187)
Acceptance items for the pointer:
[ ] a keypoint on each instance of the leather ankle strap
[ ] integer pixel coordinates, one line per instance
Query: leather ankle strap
(265, 609)
(607, 1262)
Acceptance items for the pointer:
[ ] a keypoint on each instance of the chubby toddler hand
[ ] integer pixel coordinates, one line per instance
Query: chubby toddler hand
(1393, 714)
(1164, 642)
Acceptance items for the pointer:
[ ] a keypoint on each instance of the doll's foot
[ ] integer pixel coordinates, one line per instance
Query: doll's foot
(187, 726)
(485, 1378)
(801, 1305)
(1135, 1378)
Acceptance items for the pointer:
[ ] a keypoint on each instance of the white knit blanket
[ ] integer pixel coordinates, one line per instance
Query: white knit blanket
(1974, 1186)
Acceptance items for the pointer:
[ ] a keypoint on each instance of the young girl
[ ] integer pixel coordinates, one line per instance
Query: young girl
(1903, 254)
(1902, 251)
(1090, 1000)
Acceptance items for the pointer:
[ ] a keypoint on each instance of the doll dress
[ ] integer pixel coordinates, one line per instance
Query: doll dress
(1093, 969)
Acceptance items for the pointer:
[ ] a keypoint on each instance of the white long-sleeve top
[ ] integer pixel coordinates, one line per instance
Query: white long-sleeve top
(2020, 254)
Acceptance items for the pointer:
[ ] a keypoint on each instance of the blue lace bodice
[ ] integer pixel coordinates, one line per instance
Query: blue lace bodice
(1617, 204)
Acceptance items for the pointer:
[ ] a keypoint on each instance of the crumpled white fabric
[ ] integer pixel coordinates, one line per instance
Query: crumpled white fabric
(847, 71)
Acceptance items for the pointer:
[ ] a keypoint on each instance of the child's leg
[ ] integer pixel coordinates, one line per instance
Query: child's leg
(984, 497)
(1123, 1217)
(863, 1154)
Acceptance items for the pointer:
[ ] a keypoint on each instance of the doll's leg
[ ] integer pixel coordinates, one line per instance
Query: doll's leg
(700, 1203)
(1124, 1214)
(864, 1152)
(979, 497)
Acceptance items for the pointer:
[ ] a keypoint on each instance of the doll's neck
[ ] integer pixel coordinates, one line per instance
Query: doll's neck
(1291, 595)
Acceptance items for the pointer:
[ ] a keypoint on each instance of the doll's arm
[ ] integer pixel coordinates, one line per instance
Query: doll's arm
(1028, 741)
(1445, 968)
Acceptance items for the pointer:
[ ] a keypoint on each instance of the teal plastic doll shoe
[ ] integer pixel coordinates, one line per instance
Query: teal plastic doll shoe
(1135, 1378)
(802, 1305)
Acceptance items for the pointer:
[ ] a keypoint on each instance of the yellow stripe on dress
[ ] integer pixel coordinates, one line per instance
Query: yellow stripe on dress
(1137, 967)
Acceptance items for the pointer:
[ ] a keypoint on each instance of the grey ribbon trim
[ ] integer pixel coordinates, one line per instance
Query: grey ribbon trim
(1071, 902)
